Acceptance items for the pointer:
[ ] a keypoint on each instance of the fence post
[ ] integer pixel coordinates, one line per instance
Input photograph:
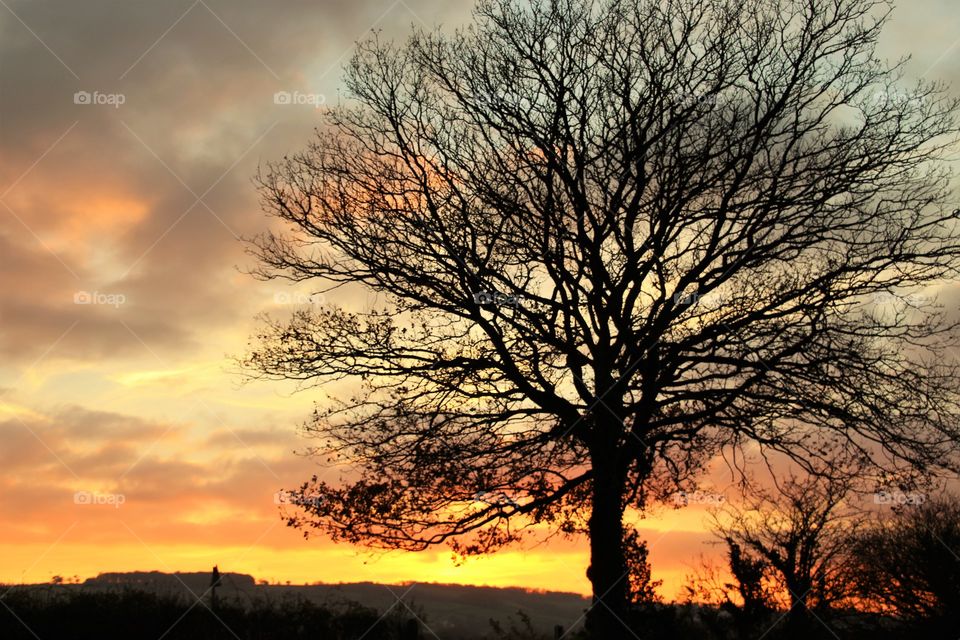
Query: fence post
(557, 632)
(214, 583)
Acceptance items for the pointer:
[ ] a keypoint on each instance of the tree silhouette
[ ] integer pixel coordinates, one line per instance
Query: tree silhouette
(908, 564)
(607, 239)
(798, 535)
(749, 572)
(642, 588)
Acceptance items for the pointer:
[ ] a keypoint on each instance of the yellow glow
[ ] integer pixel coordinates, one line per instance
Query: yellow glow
(160, 376)
(10, 410)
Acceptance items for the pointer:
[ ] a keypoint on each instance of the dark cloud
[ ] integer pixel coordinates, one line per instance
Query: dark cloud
(113, 195)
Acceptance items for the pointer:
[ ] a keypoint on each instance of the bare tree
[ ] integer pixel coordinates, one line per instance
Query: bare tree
(801, 533)
(607, 238)
(908, 565)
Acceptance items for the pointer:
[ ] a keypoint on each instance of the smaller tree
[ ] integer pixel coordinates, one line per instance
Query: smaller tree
(796, 536)
(909, 565)
(641, 586)
(750, 573)
(739, 590)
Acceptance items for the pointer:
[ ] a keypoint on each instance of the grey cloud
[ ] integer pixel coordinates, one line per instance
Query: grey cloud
(196, 104)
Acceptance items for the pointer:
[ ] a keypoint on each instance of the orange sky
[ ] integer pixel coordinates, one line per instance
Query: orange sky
(137, 209)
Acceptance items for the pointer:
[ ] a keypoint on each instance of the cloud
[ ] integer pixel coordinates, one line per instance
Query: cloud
(167, 485)
(149, 197)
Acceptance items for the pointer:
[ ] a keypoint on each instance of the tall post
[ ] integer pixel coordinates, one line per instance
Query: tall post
(215, 582)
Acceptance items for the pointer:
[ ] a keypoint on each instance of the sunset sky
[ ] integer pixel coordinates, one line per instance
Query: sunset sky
(129, 135)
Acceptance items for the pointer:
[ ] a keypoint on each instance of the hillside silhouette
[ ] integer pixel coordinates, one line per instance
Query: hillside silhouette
(450, 610)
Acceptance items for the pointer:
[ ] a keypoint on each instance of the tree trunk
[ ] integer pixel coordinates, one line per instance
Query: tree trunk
(798, 617)
(608, 616)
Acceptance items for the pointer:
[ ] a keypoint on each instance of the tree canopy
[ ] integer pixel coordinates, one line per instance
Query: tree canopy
(608, 240)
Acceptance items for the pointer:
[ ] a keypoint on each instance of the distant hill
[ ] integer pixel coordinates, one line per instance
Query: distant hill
(194, 581)
(457, 610)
